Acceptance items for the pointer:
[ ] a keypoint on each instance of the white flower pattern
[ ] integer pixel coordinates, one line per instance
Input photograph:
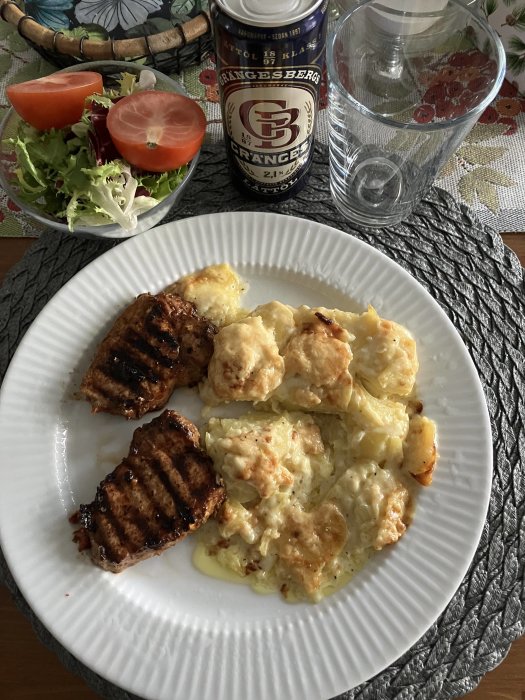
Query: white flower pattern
(110, 13)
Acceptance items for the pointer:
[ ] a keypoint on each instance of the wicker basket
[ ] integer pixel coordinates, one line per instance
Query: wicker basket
(169, 51)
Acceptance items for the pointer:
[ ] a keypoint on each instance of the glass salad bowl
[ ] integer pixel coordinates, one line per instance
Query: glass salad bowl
(111, 72)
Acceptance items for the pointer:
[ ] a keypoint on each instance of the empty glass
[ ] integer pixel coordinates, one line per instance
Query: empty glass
(405, 87)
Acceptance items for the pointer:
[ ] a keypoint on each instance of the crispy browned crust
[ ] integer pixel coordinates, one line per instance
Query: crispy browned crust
(164, 489)
(425, 477)
(157, 344)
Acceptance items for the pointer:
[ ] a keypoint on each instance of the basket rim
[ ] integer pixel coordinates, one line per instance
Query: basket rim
(115, 49)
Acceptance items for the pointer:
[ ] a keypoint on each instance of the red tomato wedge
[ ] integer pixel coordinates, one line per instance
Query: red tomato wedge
(155, 130)
(56, 100)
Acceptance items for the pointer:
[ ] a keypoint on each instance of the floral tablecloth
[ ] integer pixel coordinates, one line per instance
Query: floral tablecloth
(487, 172)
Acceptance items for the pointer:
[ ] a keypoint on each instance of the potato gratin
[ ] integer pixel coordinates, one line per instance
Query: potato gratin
(325, 467)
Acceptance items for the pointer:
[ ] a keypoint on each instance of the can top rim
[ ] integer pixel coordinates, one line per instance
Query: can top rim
(270, 13)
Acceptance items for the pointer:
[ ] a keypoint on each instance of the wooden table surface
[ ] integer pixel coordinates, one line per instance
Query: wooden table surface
(29, 671)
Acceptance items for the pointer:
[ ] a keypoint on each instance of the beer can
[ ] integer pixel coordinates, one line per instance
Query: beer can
(270, 59)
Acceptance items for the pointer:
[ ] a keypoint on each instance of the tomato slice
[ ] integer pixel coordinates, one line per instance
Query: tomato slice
(56, 100)
(155, 130)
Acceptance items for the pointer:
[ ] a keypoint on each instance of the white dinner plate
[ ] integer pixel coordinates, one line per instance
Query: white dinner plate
(162, 629)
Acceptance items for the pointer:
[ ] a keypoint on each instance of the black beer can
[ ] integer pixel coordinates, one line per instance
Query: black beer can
(270, 59)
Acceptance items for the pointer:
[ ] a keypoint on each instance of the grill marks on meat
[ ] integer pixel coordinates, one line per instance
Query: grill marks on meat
(164, 489)
(157, 344)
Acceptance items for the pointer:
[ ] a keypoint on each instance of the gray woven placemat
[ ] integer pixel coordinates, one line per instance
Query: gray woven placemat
(480, 285)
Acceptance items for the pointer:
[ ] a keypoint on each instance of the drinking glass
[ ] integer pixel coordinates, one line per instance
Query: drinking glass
(405, 88)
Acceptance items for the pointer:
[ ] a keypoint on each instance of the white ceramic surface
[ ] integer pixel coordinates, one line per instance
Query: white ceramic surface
(161, 629)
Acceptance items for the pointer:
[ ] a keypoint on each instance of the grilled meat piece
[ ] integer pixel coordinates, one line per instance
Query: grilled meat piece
(164, 489)
(158, 343)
